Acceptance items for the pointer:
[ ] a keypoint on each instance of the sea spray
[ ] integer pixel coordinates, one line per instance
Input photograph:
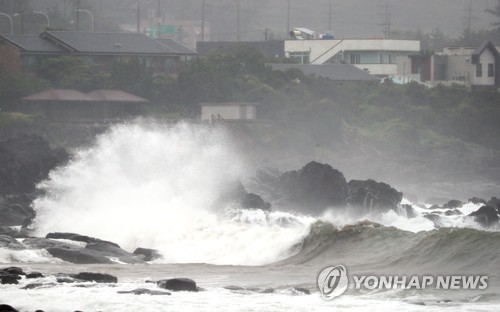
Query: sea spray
(155, 186)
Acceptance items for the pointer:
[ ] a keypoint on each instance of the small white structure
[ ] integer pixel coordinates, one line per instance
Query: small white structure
(216, 112)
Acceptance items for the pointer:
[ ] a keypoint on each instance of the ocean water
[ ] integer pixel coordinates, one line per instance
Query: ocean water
(158, 186)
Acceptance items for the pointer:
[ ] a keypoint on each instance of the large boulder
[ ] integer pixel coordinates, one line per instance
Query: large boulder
(101, 253)
(495, 203)
(79, 238)
(486, 216)
(313, 188)
(26, 160)
(178, 284)
(95, 277)
(10, 242)
(371, 196)
(254, 201)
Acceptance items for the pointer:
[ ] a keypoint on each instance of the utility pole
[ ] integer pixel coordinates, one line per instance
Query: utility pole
(469, 19)
(238, 20)
(203, 20)
(265, 34)
(77, 14)
(158, 17)
(387, 22)
(22, 17)
(288, 19)
(330, 15)
(138, 15)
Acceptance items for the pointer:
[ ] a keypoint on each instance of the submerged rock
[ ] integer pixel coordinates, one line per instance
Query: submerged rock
(313, 188)
(7, 308)
(13, 270)
(178, 284)
(454, 203)
(10, 242)
(145, 291)
(486, 216)
(34, 275)
(371, 196)
(6, 278)
(95, 277)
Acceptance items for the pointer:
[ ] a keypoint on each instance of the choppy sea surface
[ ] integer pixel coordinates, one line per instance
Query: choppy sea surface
(156, 187)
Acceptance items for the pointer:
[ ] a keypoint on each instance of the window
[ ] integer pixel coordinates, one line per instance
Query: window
(479, 70)
(301, 57)
(355, 58)
(381, 58)
(491, 70)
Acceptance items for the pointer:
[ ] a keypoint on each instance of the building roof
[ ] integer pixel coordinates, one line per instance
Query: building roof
(114, 96)
(229, 104)
(108, 43)
(68, 95)
(336, 72)
(31, 43)
(483, 46)
(176, 46)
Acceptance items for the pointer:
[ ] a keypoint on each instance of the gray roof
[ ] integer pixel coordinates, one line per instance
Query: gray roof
(69, 95)
(336, 72)
(32, 43)
(108, 43)
(483, 46)
(177, 46)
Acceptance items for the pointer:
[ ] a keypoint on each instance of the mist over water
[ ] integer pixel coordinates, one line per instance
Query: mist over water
(155, 186)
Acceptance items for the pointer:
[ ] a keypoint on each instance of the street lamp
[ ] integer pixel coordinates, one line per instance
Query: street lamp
(46, 17)
(11, 22)
(91, 17)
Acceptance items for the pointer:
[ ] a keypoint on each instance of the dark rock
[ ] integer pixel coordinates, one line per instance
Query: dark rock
(13, 270)
(145, 291)
(453, 204)
(434, 207)
(9, 279)
(313, 188)
(409, 211)
(113, 252)
(255, 201)
(99, 252)
(494, 202)
(95, 277)
(436, 219)
(233, 287)
(26, 160)
(34, 275)
(147, 254)
(178, 284)
(15, 209)
(371, 196)
(267, 291)
(67, 280)
(10, 242)
(79, 238)
(302, 290)
(7, 308)
(477, 201)
(38, 285)
(486, 216)
(452, 212)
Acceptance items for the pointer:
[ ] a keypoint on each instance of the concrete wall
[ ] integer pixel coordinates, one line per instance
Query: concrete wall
(229, 112)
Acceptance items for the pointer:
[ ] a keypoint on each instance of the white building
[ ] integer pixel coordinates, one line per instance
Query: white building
(381, 57)
(215, 112)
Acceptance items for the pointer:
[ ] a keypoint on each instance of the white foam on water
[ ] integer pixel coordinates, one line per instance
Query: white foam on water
(155, 186)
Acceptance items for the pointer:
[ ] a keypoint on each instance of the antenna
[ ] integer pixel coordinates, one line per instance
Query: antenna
(387, 20)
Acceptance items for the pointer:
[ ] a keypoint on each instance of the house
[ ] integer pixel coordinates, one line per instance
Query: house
(467, 66)
(380, 57)
(68, 104)
(233, 111)
(339, 73)
(100, 48)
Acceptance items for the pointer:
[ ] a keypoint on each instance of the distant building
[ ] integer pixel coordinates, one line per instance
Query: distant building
(99, 48)
(217, 112)
(68, 104)
(467, 66)
(380, 57)
(339, 73)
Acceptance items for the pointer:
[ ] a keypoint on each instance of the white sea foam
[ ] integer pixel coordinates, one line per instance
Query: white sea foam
(155, 187)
